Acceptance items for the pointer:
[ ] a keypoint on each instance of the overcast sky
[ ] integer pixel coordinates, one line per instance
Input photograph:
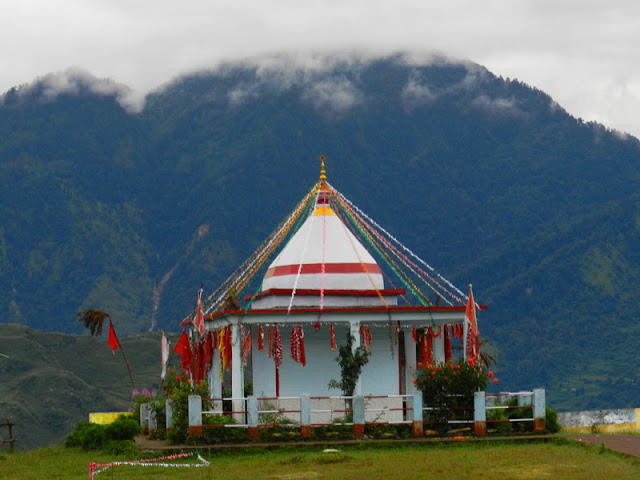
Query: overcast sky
(584, 53)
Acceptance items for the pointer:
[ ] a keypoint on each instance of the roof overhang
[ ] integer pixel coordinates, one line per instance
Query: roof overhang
(407, 316)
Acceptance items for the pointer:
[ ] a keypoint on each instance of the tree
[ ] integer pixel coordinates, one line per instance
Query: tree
(351, 362)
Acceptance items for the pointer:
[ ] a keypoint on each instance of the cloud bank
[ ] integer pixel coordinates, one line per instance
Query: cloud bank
(581, 53)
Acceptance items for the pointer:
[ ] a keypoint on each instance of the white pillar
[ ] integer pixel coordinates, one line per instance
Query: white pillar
(237, 376)
(410, 363)
(215, 382)
(355, 333)
(438, 344)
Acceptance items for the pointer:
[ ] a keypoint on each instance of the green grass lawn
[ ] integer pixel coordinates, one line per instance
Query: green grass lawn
(463, 461)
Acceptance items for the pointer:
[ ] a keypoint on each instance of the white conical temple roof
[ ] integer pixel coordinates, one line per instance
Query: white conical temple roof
(323, 255)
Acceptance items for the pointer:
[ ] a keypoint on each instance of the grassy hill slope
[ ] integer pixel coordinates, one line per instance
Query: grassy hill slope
(53, 380)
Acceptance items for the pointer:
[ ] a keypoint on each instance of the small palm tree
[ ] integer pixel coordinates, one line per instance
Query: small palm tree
(93, 320)
(485, 357)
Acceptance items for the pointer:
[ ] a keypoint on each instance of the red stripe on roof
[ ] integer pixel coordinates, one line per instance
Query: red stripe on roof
(328, 268)
(316, 292)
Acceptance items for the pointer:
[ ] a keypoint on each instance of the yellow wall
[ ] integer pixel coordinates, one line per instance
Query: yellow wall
(105, 418)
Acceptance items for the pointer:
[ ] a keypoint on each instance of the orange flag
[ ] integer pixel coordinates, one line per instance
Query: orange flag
(471, 330)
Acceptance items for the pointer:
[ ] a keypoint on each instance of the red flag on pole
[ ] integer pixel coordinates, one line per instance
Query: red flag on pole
(198, 321)
(183, 348)
(113, 340)
(471, 341)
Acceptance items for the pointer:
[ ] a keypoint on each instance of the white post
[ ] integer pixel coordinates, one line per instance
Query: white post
(479, 414)
(195, 415)
(237, 377)
(539, 410)
(215, 382)
(410, 370)
(410, 363)
(438, 344)
(168, 408)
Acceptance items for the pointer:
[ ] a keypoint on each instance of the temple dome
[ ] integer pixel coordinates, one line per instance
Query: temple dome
(323, 255)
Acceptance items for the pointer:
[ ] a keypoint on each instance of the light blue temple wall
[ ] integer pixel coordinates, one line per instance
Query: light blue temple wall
(379, 376)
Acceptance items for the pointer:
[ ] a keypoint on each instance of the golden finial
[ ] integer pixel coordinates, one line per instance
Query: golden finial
(323, 175)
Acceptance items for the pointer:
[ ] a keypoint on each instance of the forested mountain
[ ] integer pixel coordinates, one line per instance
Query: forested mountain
(486, 178)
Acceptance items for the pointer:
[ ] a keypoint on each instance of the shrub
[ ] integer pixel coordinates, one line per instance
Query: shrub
(123, 428)
(178, 388)
(553, 426)
(116, 437)
(501, 415)
(502, 427)
(222, 434)
(86, 435)
(448, 388)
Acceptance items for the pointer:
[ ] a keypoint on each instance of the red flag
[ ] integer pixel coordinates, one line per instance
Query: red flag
(199, 350)
(447, 344)
(297, 345)
(425, 354)
(113, 340)
(198, 321)
(277, 346)
(366, 337)
(471, 328)
(246, 348)
(333, 337)
(183, 348)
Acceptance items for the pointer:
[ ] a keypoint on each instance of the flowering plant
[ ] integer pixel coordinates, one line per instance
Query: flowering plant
(177, 389)
(138, 398)
(448, 388)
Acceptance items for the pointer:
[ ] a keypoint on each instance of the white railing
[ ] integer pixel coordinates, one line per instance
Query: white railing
(307, 411)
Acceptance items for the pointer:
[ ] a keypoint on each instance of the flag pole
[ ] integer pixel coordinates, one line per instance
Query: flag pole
(93, 319)
(126, 361)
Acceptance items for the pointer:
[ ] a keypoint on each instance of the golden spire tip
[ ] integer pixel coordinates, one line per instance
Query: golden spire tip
(323, 175)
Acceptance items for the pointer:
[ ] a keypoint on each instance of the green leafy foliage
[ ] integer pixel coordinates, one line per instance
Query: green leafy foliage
(214, 435)
(501, 421)
(116, 437)
(448, 389)
(351, 362)
(177, 389)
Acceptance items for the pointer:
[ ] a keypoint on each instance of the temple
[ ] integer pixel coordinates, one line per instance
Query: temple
(319, 283)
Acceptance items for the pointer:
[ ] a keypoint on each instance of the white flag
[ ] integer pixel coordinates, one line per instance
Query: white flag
(164, 349)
